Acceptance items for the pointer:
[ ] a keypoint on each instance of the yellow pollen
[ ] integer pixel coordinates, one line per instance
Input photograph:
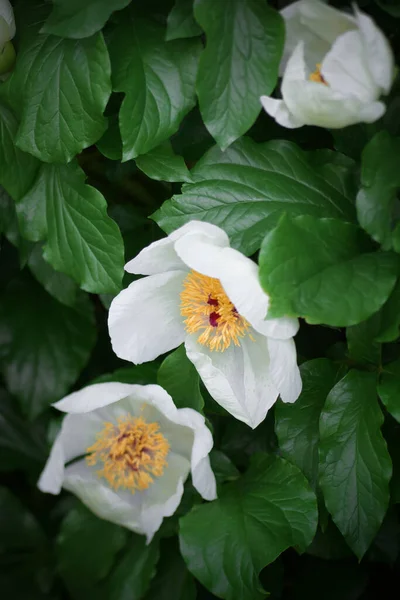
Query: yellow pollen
(133, 452)
(208, 310)
(317, 75)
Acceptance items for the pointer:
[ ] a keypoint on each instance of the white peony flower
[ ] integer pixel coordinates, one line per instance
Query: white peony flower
(206, 294)
(7, 32)
(335, 67)
(139, 451)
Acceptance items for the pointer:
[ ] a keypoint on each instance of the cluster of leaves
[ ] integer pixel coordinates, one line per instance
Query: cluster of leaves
(153, 110)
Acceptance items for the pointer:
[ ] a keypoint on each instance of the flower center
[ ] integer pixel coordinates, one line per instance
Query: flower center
(133, 452)
(317, 75)
(208, 310)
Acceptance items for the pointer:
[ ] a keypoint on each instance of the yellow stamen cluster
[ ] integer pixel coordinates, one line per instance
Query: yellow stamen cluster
(133, 452)
(317, 75)
(208, 310)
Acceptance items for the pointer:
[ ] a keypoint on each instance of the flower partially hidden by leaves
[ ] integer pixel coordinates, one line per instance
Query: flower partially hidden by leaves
(126, 451)
(7, 32)
(206, 294)
(335, 68)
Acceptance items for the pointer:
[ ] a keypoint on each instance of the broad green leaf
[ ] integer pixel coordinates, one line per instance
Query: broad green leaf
(172, 581)
(131, 577)
(163, 165)
(20, 445)
(17, 169)
(390, 317)
(316, 269)
(355, 466)
(64, 86)
(362, 347)
(23, 550)
(390, 6)
(380, 179)
(9, 226)
(389, 388)
(86, 549)
(82, 241)
(110, 143)
(142, 374)
(181, 22)
(80, 19)
(239, 64)
(158, 79)
(223, 468)
(62, 287)
(44, 344)
(227, 542)
(247, 188)
(178, 376)
(297, 425)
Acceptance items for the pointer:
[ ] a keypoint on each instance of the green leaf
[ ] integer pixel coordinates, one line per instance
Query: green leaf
(23, 550)
(64, 86)
(131, 577)
(110, 143)
(17, 169)
(163, 164)
(247, 188)
(62, 287)
(77, 19)
(181, 22)
(380, 179)
(362, 347)
(20, 446)
(82, 241)
(223, 468)
(390, 317)
(227, 542)
(9, 226)
(389, 388)
(86, 549)
(315, 268)
(239, 64)
(297, 425)
(44, 344)
(158, 80)
(390, 6)
(142, 374)
(355, 466)
(172, 581)
(178, 376)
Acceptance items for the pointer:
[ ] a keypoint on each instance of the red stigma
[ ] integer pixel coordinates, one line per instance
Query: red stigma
(212, 301)
(213, 319)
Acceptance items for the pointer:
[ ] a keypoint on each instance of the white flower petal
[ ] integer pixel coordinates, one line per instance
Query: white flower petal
(201, 252)
(239, 278)
(323, 20)
(237, 378)
(77, 433)
(52, 476)
(144, 320)
(280, 112)
(296, 69)
(369, 113)
(283, 369)
(161, 257)
(142, 512)
(202, 475)
(346, 70)
(107, 504)
(95, 396)
(318, 104)
(377, 51)
(300, 27)
(7, 13)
